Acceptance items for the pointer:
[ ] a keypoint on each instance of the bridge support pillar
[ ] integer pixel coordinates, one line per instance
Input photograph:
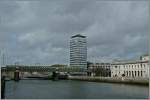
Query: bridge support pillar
(16, 76)
(55, 75)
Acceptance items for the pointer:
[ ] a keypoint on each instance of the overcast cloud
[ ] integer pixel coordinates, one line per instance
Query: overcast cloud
(39, 32)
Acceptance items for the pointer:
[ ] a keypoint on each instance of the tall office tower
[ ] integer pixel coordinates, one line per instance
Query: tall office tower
(78, 51)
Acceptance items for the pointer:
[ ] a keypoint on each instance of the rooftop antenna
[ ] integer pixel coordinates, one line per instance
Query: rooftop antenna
(3, 58)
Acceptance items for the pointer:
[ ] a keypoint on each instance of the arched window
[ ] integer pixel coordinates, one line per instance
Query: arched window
(144, 65)
(129, 73)
(135, 73)
(141, 74)
(109, 74)
(138, 73)
(132, 74)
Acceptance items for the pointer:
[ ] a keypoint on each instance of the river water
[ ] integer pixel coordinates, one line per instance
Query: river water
(68, 89)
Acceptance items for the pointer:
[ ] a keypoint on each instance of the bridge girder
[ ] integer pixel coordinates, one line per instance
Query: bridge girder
(42, 68)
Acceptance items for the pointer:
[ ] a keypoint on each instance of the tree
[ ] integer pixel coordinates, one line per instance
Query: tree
(58, 65)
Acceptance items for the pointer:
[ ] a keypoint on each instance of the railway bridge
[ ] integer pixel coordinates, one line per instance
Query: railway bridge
(17, 72)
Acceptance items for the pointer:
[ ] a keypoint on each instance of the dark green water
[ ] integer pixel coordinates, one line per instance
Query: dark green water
(67, 89)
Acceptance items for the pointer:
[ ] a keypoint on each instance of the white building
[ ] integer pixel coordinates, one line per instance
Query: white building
(132, 69)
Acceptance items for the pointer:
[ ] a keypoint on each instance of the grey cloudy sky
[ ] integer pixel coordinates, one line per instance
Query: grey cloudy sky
(39, 31)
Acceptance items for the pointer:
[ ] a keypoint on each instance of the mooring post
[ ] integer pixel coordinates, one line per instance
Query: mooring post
(3, 87)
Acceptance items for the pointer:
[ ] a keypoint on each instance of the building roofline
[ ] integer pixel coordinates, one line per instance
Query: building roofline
(78, 35)
(130, 62)
(144, 55)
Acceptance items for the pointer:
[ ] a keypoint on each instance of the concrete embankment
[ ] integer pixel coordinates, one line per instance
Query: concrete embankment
(111, 80)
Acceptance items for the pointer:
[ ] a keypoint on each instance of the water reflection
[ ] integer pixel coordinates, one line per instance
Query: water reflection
(67, 89)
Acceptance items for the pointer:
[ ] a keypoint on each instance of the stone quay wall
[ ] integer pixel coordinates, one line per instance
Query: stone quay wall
(137, 81)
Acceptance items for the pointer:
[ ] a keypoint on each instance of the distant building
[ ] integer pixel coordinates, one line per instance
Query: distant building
(100, 69)
(131, 69)
(78, 51)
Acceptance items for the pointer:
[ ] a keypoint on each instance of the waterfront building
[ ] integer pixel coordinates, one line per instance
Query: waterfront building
(100, 69)
(131, 69)
(78, 51)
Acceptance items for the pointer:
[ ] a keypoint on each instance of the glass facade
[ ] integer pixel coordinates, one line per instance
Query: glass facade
(78, 51)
